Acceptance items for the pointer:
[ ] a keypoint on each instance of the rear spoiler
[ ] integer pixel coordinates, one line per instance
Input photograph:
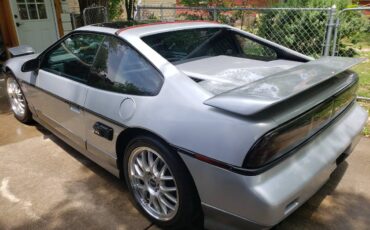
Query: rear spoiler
(262, 94)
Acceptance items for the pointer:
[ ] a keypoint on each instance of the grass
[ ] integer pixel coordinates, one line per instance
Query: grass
(366, 130)
(362, 46)
(363, 71)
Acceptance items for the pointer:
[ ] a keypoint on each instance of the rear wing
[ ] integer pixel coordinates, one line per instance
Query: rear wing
(262, 94)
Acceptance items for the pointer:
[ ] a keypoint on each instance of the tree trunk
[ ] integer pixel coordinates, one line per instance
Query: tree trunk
(129, 5)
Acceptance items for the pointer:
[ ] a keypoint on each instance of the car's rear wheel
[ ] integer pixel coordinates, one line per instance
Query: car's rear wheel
(17, 100)
(160, 184)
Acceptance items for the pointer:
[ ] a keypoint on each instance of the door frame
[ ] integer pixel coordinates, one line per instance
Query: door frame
(7, 25)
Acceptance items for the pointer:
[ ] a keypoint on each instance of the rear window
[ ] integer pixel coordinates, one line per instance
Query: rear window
(179, 46)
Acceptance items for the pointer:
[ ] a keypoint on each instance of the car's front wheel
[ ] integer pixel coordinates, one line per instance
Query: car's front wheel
(17, 100)
(160, 184)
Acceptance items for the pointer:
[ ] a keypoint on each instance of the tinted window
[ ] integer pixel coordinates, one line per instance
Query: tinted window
(120, 68)
(180, 45)
(186, 44)
(74, 56)
(252, 49)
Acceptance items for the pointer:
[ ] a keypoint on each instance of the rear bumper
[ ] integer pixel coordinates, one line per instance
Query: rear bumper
(238, 201)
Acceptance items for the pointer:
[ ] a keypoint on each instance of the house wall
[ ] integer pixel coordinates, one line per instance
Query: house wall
(68, 7)
(73, 6)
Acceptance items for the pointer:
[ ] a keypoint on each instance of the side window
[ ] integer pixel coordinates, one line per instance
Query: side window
(119, 68)
(254, 50)
(73, 57)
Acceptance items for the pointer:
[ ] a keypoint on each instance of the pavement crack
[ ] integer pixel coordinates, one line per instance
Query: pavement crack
(149, 226)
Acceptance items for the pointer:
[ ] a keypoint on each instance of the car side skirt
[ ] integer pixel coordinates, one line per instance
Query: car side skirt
(104, 162)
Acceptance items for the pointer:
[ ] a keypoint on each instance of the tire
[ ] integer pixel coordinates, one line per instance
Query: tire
(17, 100)
(148, 189)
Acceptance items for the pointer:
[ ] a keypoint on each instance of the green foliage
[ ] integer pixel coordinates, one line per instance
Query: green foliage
(298, 30)
(114, 9)
(366, 130)
(305, 31)
(353, 26)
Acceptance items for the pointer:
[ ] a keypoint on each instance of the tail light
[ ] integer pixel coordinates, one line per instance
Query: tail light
(280, 141)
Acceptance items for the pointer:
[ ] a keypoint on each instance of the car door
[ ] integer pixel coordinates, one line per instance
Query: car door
(61, 85)
(120, 79)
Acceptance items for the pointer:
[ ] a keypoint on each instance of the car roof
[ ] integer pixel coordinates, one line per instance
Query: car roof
(125, 29)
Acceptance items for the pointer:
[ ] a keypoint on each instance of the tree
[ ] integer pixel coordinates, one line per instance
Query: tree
(114, 9)
(129, 5)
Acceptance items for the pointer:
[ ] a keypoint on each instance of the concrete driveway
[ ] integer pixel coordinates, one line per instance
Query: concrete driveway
(45, 184)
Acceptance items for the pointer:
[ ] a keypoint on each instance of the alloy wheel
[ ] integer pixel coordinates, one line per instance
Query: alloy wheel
(16, 98)
(153, 184)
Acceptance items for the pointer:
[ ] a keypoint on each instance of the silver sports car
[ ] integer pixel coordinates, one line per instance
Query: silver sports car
(207, 124)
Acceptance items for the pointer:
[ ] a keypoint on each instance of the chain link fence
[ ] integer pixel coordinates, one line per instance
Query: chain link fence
(90, 15)
(76, 20)
(352, 25)
(313, 31)
(291, 27)
(95, 14)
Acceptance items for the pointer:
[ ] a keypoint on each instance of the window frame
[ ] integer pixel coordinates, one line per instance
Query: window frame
(51, 48)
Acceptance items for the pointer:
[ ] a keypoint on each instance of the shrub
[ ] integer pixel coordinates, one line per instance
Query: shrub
(305, 31)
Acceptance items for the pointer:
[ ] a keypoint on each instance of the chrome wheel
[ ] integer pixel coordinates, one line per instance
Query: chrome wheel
(153, 184)
(16, 98)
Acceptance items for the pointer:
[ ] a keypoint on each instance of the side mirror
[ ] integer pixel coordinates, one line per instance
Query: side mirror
(31, 65)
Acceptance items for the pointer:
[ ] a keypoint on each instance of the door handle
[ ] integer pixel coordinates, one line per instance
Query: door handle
(103, 131)
(18, 24)
(75, 108)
